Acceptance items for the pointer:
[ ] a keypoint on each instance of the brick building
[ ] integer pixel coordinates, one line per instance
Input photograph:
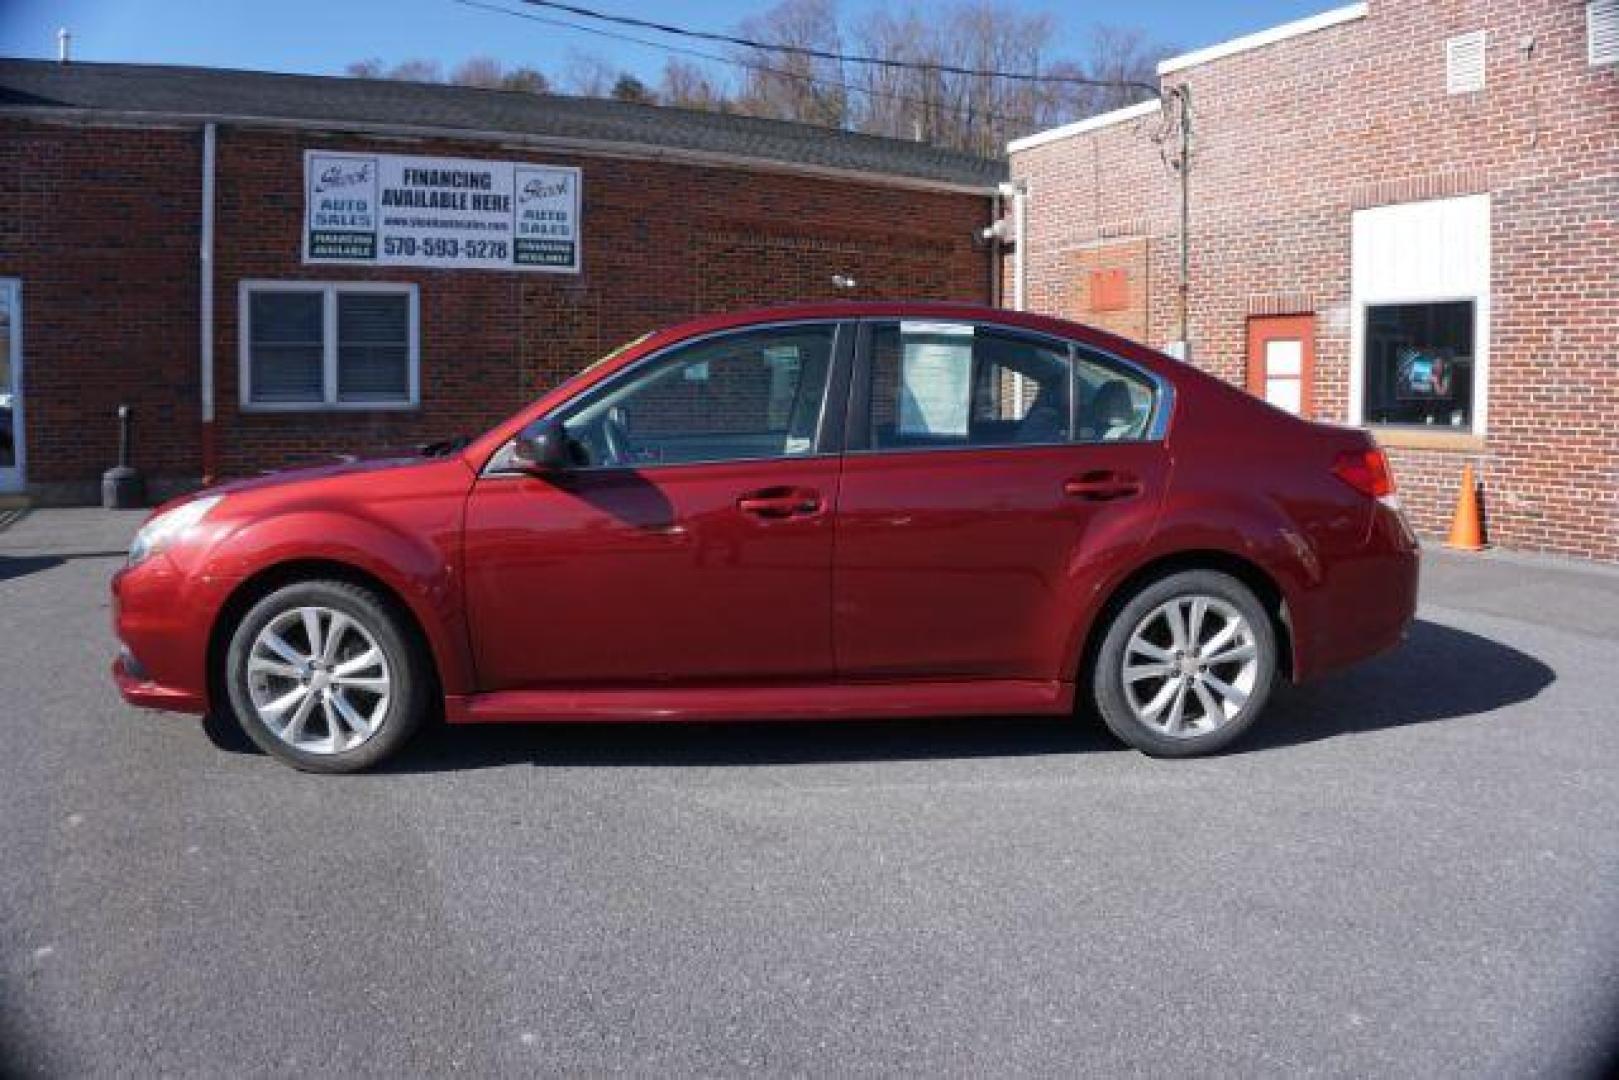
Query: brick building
(1403, 214)
(190, 242)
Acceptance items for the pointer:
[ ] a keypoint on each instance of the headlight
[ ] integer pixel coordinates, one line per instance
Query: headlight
(164, 529)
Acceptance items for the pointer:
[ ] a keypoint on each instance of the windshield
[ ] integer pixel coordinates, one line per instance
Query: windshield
(621, 350)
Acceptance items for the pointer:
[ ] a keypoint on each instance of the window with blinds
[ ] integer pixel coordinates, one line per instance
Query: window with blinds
(287, 356)
(373, 347)
(1602, 30)
(317, 346)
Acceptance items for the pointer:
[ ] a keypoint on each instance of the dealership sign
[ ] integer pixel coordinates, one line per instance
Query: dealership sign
(451, 213)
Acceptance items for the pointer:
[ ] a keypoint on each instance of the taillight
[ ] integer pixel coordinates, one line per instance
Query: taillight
(1367, 471)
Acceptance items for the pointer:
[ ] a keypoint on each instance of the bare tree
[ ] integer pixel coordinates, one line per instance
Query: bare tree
(688, 86)
(980, 113)
(588, 75)
(1123, 55)
(481, 71)
(920, 100)
(792, 86)
(527, 79)
(417, 70)
(628, 88)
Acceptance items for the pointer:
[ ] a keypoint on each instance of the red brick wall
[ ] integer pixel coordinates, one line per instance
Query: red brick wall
(1081, 285)
(662, 242)
(101, 230)
(102, 227)
(1292, 138)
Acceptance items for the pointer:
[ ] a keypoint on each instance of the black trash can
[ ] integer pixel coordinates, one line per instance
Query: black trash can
(123, 487)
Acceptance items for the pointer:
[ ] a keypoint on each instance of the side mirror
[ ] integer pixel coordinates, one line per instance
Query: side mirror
(542, 447)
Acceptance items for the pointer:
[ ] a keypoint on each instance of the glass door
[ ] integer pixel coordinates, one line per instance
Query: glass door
(11, 431)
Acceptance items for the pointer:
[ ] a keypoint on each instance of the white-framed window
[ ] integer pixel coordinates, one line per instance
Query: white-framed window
(310, 345)
(1602, 31)
(1420, 316)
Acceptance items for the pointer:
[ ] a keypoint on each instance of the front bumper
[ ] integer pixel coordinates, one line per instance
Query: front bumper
(162, 619)
(138, 688)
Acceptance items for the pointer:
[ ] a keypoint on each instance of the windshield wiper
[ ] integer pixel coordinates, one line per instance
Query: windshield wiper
(444, 447)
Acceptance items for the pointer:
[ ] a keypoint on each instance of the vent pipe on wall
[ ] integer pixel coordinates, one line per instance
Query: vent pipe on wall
(1017, 192)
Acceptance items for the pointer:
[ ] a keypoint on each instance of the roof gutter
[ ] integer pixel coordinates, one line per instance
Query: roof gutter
(594, 147)
(1307, 25)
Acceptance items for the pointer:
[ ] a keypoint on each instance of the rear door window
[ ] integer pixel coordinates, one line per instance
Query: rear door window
(956, 385)
(1112, 404)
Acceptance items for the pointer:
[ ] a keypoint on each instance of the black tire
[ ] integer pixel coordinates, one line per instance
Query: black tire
(407, 668)
(1107, 671)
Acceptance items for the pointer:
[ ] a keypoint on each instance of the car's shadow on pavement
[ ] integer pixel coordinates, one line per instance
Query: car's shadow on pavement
(1440, 673)
(17, 566)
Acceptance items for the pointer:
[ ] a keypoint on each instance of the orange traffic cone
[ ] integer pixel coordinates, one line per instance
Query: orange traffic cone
(1466, 527)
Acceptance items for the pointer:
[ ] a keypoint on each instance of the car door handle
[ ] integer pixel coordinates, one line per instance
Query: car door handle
(1102, 486)
(777, 503)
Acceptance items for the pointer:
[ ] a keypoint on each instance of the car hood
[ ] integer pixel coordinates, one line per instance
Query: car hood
(343, 467)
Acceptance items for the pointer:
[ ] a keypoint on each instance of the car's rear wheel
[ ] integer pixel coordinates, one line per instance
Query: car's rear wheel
(1186, 665)
(324, 676)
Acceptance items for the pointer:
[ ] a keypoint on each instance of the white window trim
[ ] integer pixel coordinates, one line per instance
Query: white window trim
(1360, 300)
(329, 291)
(1595, 11)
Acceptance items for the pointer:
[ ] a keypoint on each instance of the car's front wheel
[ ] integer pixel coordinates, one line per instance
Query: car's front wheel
(1186, 665)
(323, 675)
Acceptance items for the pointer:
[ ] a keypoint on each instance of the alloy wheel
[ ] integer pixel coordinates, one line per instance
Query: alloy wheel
(1190, 666)
(318, 680)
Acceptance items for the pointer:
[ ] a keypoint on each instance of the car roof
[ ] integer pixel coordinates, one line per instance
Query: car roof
(1135, 352)
(1180, 374)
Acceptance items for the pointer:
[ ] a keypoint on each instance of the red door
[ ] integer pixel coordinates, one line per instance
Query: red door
(993, 483)
(692, 545)
(1281, 361)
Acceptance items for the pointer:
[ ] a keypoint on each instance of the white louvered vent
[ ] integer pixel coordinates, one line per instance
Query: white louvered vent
(1464, 63)
(1602, 29)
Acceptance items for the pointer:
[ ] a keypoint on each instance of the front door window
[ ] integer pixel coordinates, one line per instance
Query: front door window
(739, 397)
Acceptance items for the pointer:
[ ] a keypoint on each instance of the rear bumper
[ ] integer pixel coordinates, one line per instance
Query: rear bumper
(1366, 604)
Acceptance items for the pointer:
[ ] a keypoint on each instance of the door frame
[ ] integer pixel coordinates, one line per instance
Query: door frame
(1303, 325)
(500, 477)
(15, 479)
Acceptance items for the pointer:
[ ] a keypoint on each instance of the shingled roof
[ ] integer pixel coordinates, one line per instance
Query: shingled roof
(173, 93)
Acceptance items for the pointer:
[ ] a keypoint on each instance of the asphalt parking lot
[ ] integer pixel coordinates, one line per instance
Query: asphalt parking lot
(1411, 869)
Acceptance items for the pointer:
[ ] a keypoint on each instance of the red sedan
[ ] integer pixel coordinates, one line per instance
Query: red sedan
(836, 511)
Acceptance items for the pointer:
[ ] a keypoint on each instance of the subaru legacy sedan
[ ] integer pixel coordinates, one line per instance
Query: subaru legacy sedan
(843, 511)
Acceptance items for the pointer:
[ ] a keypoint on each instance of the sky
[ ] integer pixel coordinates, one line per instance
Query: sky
(322, 36)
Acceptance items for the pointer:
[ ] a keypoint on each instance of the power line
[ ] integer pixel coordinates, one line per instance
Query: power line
(847, 87)
(845, 58)
(1180, 94)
